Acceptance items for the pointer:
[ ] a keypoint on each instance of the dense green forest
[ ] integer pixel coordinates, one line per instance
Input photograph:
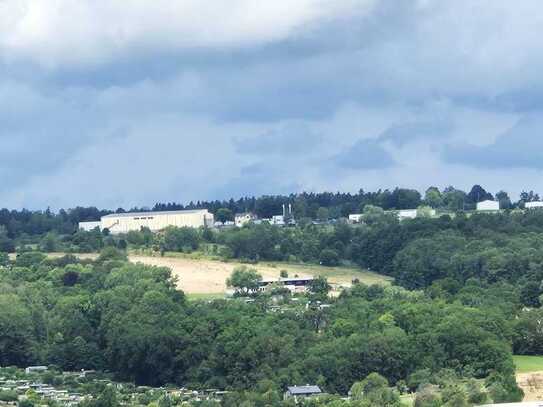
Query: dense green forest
(442, 253)
(129, 319)
(22, 225)
(468, 293)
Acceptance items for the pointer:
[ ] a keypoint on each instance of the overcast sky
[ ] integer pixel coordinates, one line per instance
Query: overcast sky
(129, 102)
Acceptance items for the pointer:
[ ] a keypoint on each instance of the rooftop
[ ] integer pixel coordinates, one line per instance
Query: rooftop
(304, 389)
(287, 280)
(156, 213)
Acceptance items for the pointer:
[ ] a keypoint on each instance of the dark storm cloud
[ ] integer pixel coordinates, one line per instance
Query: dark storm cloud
(290, 139)
(401, 134)
(365, 155)
(257, 179)
(272, 92)
(519, 147)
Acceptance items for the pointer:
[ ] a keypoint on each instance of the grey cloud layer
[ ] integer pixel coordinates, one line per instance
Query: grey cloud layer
(365, 154)
(327, 96)
(519, 147)
(290, 139)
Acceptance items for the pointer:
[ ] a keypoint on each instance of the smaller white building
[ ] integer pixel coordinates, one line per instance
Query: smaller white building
(533, 205)
(244, 218)
(488, 205)
(88, 226)
(302, 392)
(294, 285)
(278, 220)
(407, 214)
(35, 369)
(355, 217)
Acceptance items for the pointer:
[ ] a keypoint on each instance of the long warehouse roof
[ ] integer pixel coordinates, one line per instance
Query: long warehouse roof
(130, 214)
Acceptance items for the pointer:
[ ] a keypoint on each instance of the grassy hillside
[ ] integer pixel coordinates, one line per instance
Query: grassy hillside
(527, 364)
(202, 277)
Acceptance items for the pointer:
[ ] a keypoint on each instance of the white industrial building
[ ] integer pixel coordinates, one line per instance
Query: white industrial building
(488, 205)
(155, 221)
(533, 205)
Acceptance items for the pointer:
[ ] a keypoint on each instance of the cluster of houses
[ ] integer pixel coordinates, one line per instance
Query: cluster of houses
(402, 214)
(286, 219)
(188, 395)
(483, 206)
(296, 285)
(241, 219)
(44, 391)
(133, 221)
(25, 385)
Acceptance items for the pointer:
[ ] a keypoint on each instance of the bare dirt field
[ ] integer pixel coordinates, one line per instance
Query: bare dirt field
(203, 276)
(532, 384)
(208, 277)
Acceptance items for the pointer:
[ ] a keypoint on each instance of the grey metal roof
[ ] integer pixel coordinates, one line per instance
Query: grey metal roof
(304, 389)
(286, 279)
(129, 214)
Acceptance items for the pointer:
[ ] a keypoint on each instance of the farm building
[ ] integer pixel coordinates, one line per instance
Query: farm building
(533, 205)
(407, 214)
(243, 218)
(301, 392)
(488, 205)
(88, 226)
(295, 285)
(126, 222)
(355, 217)
(35, 369)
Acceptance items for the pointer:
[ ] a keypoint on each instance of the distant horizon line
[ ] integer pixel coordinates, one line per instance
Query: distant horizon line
(198, 204)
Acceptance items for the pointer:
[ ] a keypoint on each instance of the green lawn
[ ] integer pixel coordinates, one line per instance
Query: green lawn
(204, 296)
(526, 364)
(407, 400)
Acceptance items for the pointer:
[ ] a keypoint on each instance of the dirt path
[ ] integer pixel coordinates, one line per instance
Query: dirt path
(532, 384)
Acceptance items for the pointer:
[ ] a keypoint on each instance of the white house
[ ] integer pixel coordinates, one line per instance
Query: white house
(88, 226)
(35, 369)
(488, 205)
(355, 217)
(243, 218)
(533, 205)
(294, 285)
(302, 392)
(278, 220)
(407, 214)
